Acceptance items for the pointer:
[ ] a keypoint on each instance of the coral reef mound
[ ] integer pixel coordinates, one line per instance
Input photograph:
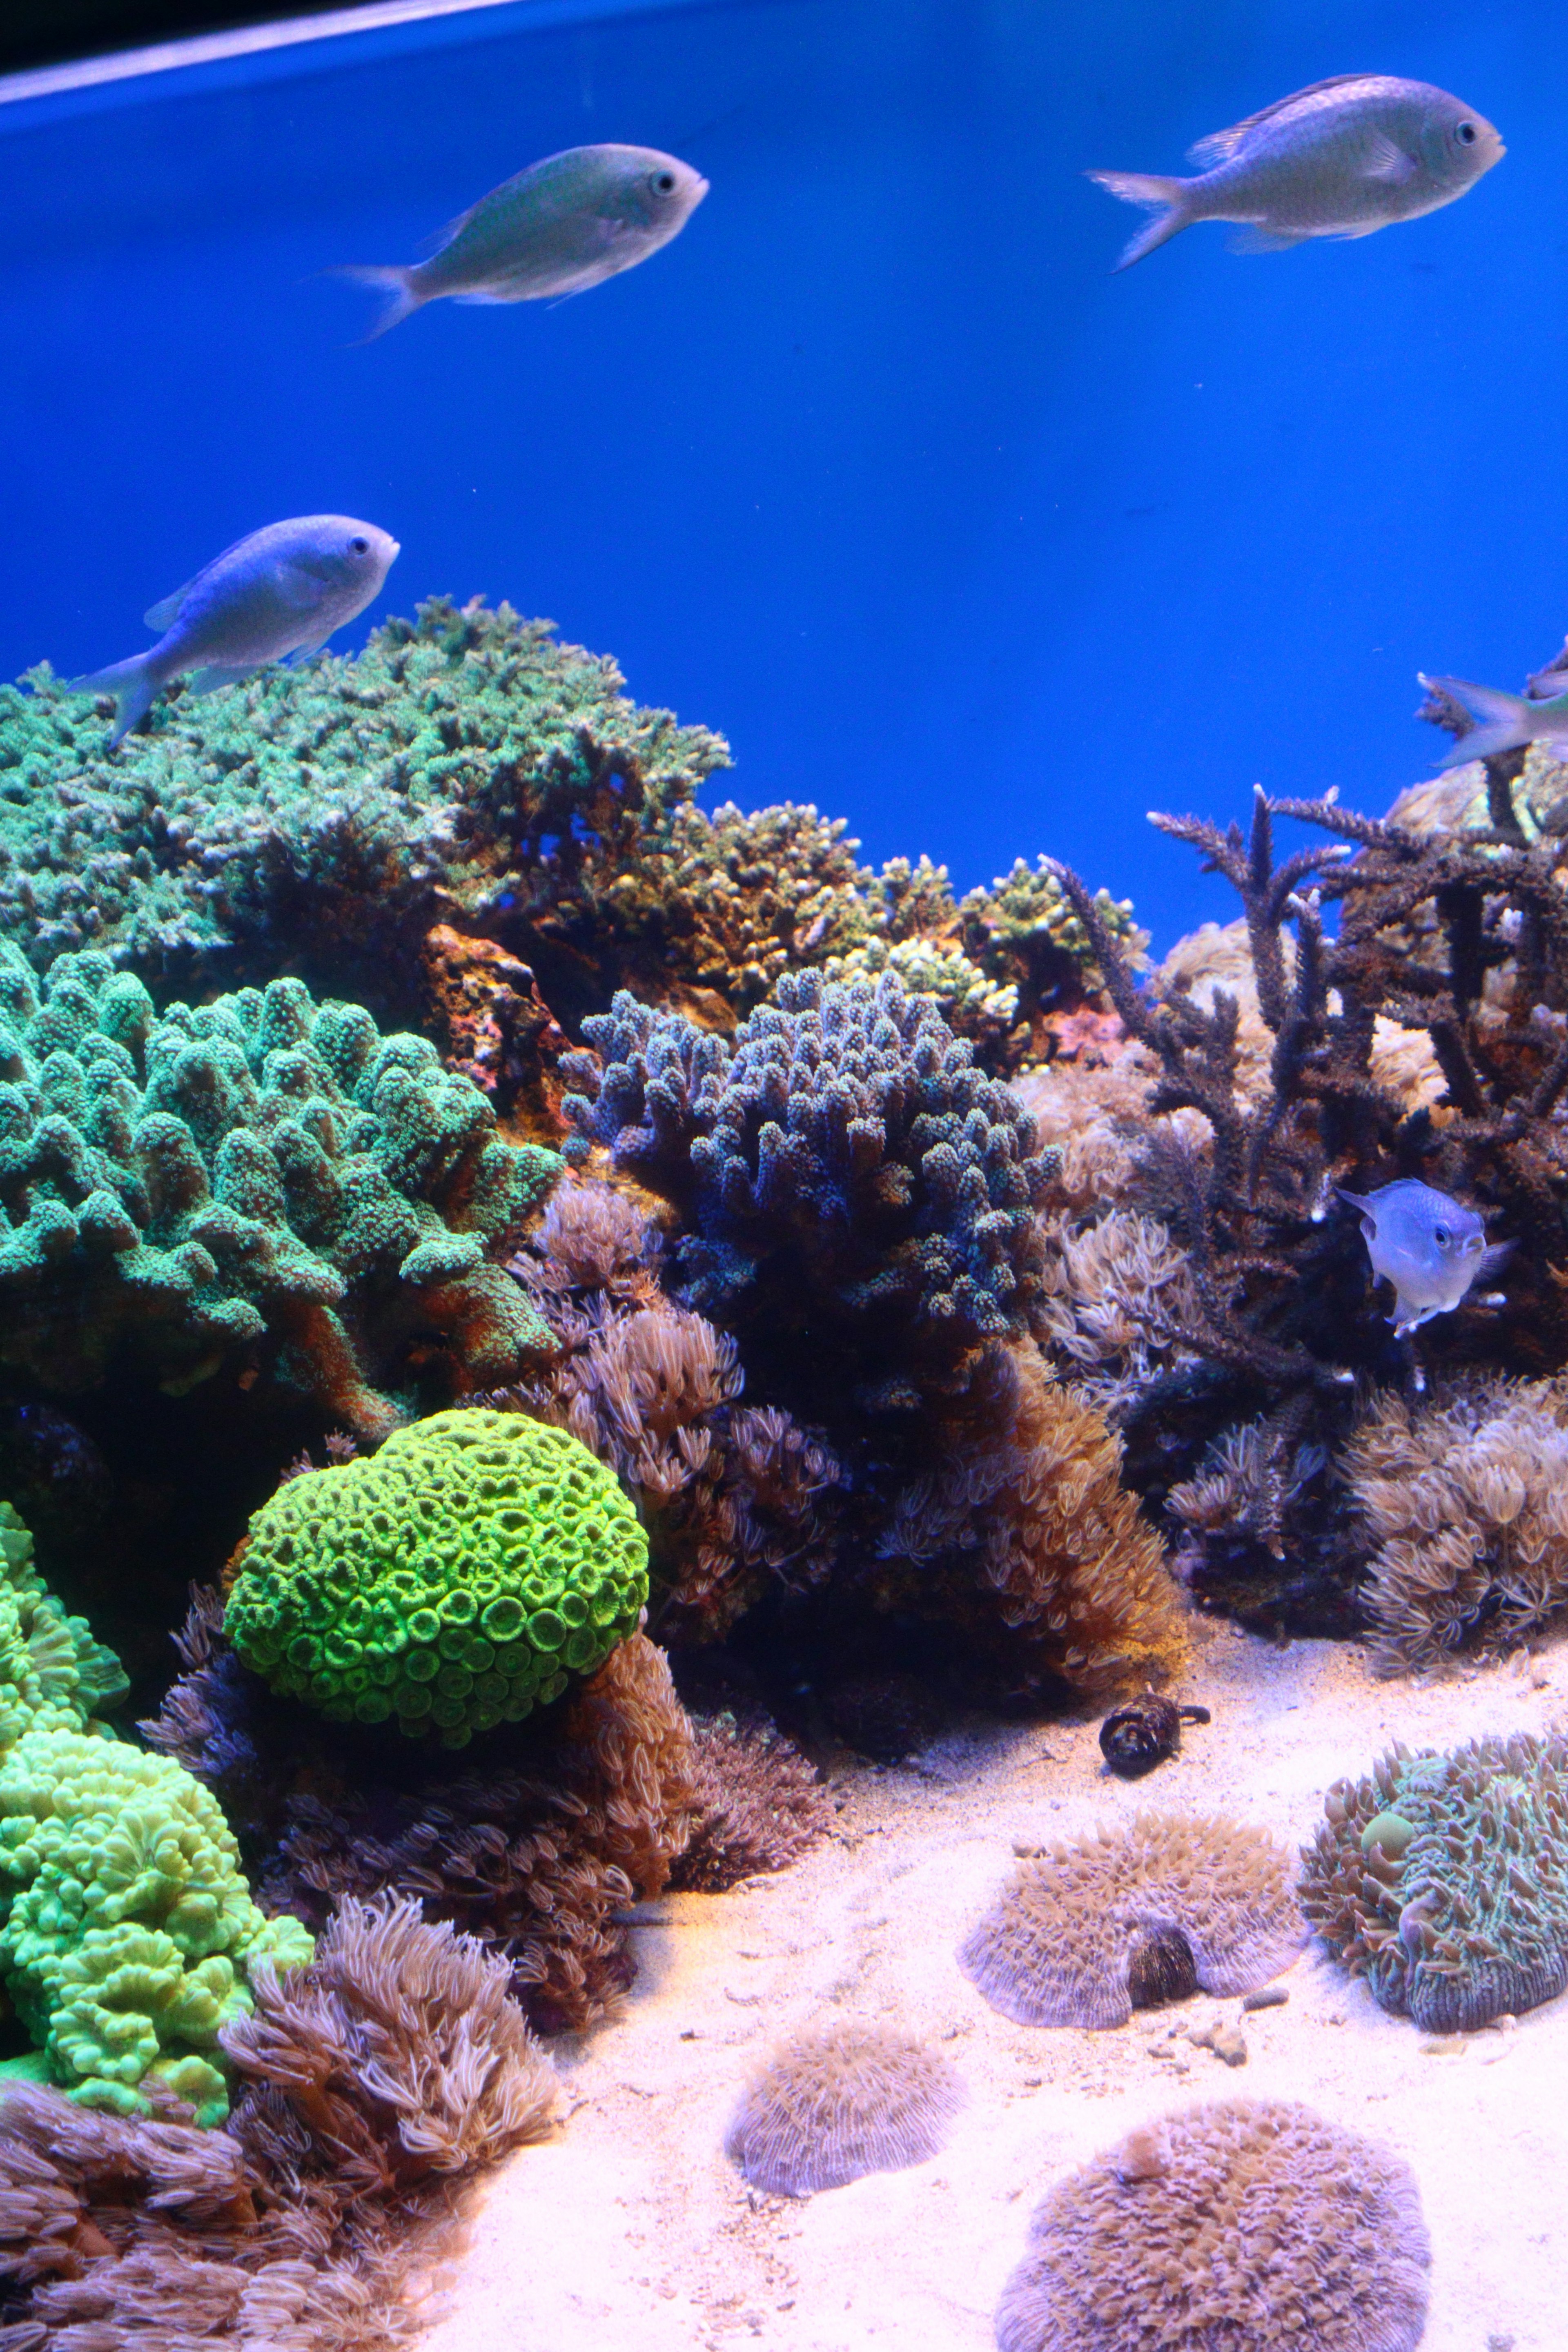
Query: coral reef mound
(455, 1581)
(1085, 1934)
(1443, 1880)
(1256, 2225)
(54, 1676)
(198, 1182)
(840, 2101)
(127, 1931)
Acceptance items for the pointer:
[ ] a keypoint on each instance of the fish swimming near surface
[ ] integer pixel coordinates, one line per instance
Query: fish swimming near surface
(562, 226)
(1430, 1247)
(1340, 159)
(281, 591)
(1504, 722)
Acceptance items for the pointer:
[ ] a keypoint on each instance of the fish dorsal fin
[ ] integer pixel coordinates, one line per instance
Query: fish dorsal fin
(1221, 145)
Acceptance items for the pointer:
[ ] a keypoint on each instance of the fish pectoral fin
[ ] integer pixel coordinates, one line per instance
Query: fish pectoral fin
(165, 612)
(1254, 238)
(1492, 1260)
(1388, 162)
(208, 680)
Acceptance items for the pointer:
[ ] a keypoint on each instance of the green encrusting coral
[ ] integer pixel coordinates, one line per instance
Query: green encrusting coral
(1443, 1879)
(260, 1168)
(455, 1581)
(126, 1925)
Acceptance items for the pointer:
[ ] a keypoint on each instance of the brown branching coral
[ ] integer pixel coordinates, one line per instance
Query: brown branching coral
(1466, 1502)
(378, 2079)
(1135, 1917)
(1247, 2224)
(1024, 1531)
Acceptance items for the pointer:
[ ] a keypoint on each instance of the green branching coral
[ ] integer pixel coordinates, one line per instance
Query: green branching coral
(453, 1581)
(1026, 908)
(262, 1168)
(1444, 1880)
(126, 1925)
(462, 760)
(53, 1675)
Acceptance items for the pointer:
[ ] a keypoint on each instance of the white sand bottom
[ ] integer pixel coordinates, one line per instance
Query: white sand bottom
(631, 2233)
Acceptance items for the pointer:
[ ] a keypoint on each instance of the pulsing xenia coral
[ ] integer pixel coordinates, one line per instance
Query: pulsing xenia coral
(455, 1581)
(1444, 1880)
(194, 1182)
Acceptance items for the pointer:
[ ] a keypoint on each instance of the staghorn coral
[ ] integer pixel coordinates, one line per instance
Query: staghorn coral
(127, 1931)
(838, 2101)
(537, 1857)
(53, 1675)
(1252, 2224)
(260, 1170)
(454, 1581)
(1464, 1497)
(1443, 1880)
(1023, 1532)
(1131, 1918)
(758, 1805)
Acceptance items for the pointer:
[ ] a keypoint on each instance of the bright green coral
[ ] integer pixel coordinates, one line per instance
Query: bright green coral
(126, 1925)
(453, 1581)
(53, 1675)
(200, 1180)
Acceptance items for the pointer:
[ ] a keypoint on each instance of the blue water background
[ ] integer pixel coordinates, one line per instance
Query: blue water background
(877, 468)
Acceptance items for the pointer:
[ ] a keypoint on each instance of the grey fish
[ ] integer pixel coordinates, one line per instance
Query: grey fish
(1339, 159)
(283, 590)
(1504, 722)
(1430, 1247)
(562, 225)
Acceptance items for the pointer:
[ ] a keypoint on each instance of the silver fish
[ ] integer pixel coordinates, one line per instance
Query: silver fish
(562, 225)
(283, 590)
(1430, 1247)
(1340, 159)
(1504, 722)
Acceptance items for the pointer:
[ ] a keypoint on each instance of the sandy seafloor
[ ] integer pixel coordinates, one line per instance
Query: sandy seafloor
(631, 2233)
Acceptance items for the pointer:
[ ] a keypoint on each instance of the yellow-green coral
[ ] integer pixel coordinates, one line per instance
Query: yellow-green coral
(126, 1925)
(971, 1002)
(53, 1675)
(453, 1581)
(1027, 905)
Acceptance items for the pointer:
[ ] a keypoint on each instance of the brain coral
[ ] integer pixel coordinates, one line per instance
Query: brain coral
(1444, 1880)
(53, 1675)
(262, 1168)
(126, 1926)
(455, 1581)
(1130, 1918)
(1245, 2226)
(841, 2100)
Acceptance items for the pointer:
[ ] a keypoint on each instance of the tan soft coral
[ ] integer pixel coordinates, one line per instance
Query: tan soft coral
(1114, 1296)
(1027, 1521)
(1466, 1500)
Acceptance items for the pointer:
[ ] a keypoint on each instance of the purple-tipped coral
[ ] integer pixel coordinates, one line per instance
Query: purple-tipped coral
(1133, 1918)
(1245, 2226)
(838, 2102)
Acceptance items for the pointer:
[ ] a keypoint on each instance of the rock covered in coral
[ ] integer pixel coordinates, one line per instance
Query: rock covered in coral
(842, 2099)
(1252, 2224)
(882, 1712)
(127, 1931)
(54, 1676)
(495, 1028)
(1132, 1918)
(195, 1183)
(1464, 1497)
(455, 1581)
(1443, 1880)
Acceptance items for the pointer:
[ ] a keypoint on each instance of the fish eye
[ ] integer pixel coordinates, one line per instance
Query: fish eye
(664, 184)
(1442, 1237)
(358, 546)
(1467, 135)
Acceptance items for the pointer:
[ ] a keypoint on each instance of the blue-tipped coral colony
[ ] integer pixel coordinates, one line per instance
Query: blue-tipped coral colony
(557, 1337)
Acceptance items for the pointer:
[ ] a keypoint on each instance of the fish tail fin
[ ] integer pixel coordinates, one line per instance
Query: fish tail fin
(394, 283)
(1503, 721)
(1166, 197)
(135, 686)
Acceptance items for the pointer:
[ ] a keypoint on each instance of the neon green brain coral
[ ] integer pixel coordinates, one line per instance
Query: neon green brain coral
(453, 1581)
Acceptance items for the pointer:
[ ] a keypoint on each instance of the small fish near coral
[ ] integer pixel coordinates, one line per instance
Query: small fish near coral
(281, 590)
(1499, 722)
(1341, 158)
(1428, 1246)
(564, 225)
(1135, 1738)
